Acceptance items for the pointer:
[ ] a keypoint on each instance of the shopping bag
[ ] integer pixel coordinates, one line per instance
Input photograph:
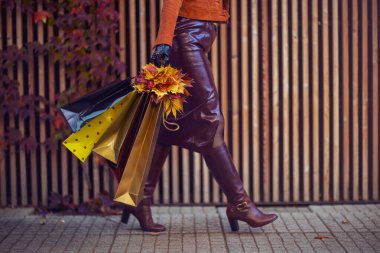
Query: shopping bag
(83, 141)
(123, 129)
(131, 187)
(81, 111)
(130, 136)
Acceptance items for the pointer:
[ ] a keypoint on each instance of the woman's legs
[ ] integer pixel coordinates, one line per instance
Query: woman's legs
(143, 211)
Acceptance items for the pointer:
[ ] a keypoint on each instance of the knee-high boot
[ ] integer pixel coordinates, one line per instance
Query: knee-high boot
(142, 211)
(240, 206)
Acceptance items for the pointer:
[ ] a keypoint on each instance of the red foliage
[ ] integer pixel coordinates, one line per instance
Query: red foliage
(83, 47)
(41, 16)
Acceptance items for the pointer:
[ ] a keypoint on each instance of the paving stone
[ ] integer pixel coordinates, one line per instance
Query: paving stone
(315, 228)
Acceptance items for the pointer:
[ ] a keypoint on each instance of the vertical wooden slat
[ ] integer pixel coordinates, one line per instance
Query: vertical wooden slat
(53, 152)
(224, 83)
(205, 183)
(255, 103)
(3, 194)
(305, 95)
(315, 100)
(142, 32)
(346, 116)
(41, 88)
(335, 73)
(186, 176)
(106, 178)
(12, 148)
(96, 179)
(235, 85)
(152, 21)
(285, 99)
(295, 101)
(355, 102)
(20, 78)
(32, 122)
(132, 37)
(175, 177)
(375, 101)
(266, 115)
(275, 104)
(326, 101)
(197, 177)
(365, 84)
(214, 64)
(166, 186)
(245, 94)
(122, 34)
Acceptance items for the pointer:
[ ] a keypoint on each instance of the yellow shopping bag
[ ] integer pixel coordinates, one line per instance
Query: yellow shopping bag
(131, 187)
(82, 142)
(110, 143)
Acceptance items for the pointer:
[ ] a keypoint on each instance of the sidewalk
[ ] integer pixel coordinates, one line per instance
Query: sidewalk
(326, 228)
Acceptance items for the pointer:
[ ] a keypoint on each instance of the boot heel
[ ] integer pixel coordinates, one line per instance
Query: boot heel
(125, 216)
(233, 224)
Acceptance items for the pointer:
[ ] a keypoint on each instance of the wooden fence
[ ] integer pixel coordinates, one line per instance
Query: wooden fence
(299, 85)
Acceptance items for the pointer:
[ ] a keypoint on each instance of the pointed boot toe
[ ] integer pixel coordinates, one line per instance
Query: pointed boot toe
(155, 227)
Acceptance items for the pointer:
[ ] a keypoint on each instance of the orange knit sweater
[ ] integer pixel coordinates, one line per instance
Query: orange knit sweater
(210, 10)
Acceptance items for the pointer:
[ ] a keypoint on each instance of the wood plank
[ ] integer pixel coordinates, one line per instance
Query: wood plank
(336, 124)
(12, 148)
(122, 38)
(205, 182)
(186, 175)
(132, 37)
(175, 174)
(255, 103)
(215, 71)
(275, 105)
(197, 177)
(20, 78)
(305, 95)
(166, 182)
(41, 88)
(245, 94)
(355, 101)
(295, 102)
(315, 101)
(142, 33)
(32, 121)
(375, 101)
(346, 115)
(84, 170)
(266, 106)
(224, 85)
(51, 95)
(106, 179)
(95, 175)
(326, 101)
(364, 84)
(152, 22)
(285, 99)
(224, 79)
(3, 180)
(235, 86)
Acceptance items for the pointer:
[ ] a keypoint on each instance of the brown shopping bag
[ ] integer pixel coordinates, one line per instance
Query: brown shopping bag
(131, 187)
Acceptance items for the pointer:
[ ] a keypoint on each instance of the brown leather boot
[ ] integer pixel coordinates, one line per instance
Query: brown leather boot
(240, 206)
(142, 211)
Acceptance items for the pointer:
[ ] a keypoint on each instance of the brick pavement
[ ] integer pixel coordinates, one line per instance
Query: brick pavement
(316, 228)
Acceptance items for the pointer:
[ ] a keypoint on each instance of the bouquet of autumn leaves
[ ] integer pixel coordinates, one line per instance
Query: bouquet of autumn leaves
(121, 122)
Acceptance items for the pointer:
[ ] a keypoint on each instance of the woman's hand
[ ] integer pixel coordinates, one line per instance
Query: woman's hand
(161, 55)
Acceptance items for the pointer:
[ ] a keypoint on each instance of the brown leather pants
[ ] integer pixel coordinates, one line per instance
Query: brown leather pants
(201, 123)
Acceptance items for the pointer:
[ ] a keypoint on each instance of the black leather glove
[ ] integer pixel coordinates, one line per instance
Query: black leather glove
(161, 55)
